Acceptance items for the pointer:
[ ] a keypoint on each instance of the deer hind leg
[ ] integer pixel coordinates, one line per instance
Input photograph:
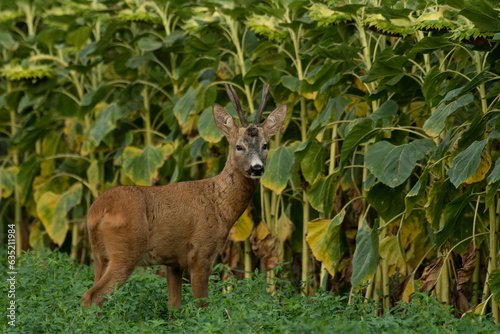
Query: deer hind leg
(124, 250)
(174, 284)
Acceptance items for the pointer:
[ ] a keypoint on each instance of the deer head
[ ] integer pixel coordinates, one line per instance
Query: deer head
(249, 143)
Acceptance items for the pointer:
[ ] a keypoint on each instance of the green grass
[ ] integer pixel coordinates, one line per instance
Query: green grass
(49, 288)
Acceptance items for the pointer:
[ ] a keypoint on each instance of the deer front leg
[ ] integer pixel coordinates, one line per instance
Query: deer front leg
(199, 282)
(174, 284)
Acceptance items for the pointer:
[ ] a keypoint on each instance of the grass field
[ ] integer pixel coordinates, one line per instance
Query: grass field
(49, 287)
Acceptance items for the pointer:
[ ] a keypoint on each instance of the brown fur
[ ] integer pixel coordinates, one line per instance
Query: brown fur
(183, 225)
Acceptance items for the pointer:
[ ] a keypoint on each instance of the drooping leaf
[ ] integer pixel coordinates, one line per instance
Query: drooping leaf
(435, 124)
(394, 164)
(455, 225)
(391, 252)
(439, 195)
(278, 169)
(469, 259)
(321, 196)
(284, 230)
(324, 238)
(242, 229)
(365, 260)
(466, 163)
(313, 162)
(431, 275)
(141, 165)
(416, 193)
(53, 208)
(482, 169)
(265, 245)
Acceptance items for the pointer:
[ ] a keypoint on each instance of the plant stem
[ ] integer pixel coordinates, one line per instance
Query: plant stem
(248, 258)
(74, 241)
(493, 253)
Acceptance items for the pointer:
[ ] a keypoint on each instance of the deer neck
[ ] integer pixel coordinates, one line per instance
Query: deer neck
(233, 193)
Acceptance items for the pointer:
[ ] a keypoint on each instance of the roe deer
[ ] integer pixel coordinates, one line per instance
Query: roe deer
(182, 225)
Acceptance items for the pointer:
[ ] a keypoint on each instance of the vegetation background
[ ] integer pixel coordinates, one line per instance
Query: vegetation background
(384, 181)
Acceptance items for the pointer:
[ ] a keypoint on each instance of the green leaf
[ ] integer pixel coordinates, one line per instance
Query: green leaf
(79, 37)
(313, 162)
(278, 169)
(432, 82)
(495, 173)
(439, 195)
(435, 124)
(321, 196)
(365, 260)
(494, 283)
(149, 44)
(7, 180)
(27, 172)
(141, 166)
(324, 238)
(466, 163)
(207, 128)
(430, 44)
(482, 14)
(93, 177)
(455, 226)
(386, 64)
(7, 41)
(105, 123)
(52, 209)
(491, 192)
(360, 133)
(292, 83)
(394, 164)
(185, 105)
(386, 112)
(388, 202)
(416, 193)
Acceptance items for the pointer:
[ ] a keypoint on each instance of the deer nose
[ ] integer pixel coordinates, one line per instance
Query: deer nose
(257, 168)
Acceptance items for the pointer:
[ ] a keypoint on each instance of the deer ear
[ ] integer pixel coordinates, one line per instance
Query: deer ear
(275, 121)
(223, 120)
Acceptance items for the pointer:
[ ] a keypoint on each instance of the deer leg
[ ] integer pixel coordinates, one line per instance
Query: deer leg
(118, 273)
(199, 283)
(100, 266)
(174, 283)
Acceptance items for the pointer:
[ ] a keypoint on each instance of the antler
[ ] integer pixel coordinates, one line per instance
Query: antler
(258, 115)
(236, 103)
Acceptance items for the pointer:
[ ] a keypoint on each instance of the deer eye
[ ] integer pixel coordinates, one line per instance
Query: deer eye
(239, 148)
(264, 147)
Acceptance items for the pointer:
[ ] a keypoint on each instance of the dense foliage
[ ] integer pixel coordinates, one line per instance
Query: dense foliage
(245, 306)
(387, 170)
